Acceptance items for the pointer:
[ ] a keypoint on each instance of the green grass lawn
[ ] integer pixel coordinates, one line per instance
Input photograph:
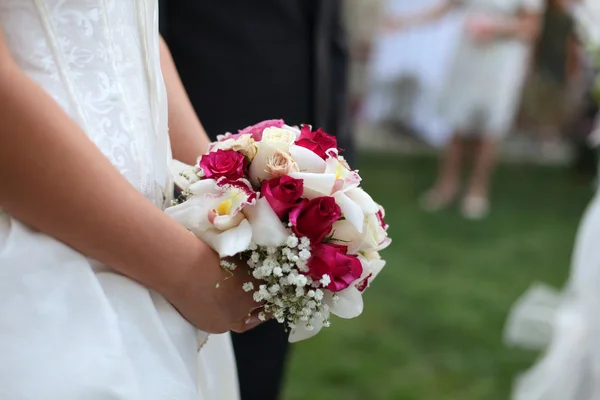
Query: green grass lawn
(433, 320)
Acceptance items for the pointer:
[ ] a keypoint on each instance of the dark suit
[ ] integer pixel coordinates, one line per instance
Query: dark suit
(244, 61)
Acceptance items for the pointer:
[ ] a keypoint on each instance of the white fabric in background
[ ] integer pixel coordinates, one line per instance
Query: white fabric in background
(422, 53)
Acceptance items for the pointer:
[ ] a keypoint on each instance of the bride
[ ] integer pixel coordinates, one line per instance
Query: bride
(568, 323)
(100, 292)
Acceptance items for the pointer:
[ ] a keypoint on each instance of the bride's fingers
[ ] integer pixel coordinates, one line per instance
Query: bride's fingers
(251, 321)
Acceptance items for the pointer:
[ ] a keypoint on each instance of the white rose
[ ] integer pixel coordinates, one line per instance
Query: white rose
(279, 138)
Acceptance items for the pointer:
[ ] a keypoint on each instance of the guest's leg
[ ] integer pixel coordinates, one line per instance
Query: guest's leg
(261, 359)
(476, 203)
(484, 163)
(448, 178)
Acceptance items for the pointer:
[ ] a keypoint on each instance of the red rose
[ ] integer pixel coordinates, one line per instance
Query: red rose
(318, 142)
(333, 260)
(314, 218)
(282, 194)
(224, 163)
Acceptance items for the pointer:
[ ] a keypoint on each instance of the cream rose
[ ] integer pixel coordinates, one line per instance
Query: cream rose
(279, 138)
(245, 144)
(280, 164)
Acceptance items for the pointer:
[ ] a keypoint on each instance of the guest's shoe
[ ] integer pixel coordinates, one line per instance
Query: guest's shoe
(433, 200)
(475, 207)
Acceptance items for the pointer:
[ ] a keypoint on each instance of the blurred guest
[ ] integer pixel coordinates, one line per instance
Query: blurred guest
(482, 92)
(557, 65)
(245, 61)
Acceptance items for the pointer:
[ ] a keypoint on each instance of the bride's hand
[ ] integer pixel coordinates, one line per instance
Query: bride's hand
(213, 299)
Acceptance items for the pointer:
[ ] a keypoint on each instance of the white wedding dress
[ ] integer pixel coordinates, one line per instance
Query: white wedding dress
(70, 328)
(566, 324)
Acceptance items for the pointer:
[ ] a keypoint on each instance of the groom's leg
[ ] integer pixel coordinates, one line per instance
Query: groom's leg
(260, 355)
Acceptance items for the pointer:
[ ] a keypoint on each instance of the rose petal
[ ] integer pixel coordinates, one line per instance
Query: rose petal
(267, 228)
(307, 160)
(362, 198)
(257, 171)
(349, 304)
(301, 333)
(315, 185)
(351, 210)
(230, 242)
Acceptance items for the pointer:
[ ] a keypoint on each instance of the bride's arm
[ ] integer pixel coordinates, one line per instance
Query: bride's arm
(188, 137)
(53, 178)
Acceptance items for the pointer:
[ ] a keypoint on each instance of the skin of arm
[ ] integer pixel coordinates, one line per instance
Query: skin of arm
(188, 137)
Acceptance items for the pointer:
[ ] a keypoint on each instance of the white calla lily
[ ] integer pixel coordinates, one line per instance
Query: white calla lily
(363, 199)
(348, 305)
(267, 229)
(203, 187)
(351, 210)
(344, 233)
(346, 178)
(183, 175)
(307, 160)
(258, 167)
(302, 332)
(315, 185)
(214, 214)
(230, 242)
(192, 214)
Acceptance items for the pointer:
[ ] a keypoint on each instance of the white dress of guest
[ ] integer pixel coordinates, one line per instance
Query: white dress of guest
(483, 87)
(421, 54)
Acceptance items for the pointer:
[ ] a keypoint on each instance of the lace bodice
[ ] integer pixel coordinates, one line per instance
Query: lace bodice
(99, 60)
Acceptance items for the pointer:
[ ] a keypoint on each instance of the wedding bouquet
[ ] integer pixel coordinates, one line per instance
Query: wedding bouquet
(285, 202)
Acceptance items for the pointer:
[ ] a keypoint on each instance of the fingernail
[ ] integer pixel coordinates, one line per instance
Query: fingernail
(252, 320)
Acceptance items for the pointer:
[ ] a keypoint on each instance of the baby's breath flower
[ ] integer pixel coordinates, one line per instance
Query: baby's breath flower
(292, 241)
(325, 280)
(248, 286)
(319, 294)
(273, 289)
(304, 254)
(304, 243)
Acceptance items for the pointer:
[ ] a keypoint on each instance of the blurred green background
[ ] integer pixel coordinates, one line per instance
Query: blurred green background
(433, 320)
